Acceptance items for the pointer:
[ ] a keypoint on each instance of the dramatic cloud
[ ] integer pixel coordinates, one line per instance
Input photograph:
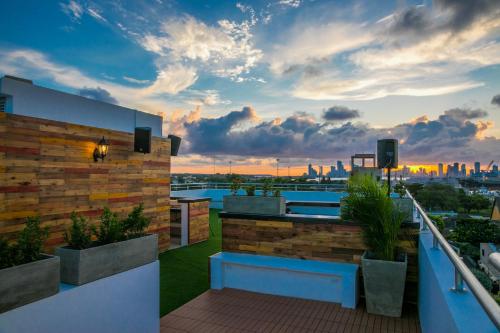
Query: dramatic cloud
(226, 49)
(419, 51)
(496, 100)
(452, 136)
(98, 94)
(339, 113)
(73, 9)
(311, 43)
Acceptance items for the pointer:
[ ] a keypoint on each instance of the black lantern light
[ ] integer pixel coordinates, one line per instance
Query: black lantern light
(101, 150)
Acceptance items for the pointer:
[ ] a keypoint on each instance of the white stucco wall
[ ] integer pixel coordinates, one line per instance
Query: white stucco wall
(35, 101)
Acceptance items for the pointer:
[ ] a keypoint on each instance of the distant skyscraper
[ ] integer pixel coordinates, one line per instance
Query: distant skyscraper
(333, 172)
(440, 170)
(477, 168)
(463, 170)
(456, 169)
(321, 171)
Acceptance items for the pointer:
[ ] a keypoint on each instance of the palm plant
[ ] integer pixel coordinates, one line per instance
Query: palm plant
(367, 203)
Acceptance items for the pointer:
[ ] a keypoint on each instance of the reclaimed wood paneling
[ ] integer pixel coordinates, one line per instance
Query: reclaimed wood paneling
(47, 169)
(198, 221)
(338, 242)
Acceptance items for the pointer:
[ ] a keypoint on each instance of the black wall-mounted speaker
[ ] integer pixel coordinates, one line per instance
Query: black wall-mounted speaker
(175, 143)
(387, 153)
(142, 140)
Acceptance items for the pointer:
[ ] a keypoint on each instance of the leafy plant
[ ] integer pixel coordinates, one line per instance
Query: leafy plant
(136, 223)
(235, 186)
(475, 231)
(80, 233)
(30, 241)
(367, 203)
(7, 254)
(438, 221)
(483, 278)
(276, 192)
(266, 187)
(110, 229)
(250, 190)
(400, 189)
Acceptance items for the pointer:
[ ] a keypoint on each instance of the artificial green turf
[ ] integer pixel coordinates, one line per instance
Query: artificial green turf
(184, 271)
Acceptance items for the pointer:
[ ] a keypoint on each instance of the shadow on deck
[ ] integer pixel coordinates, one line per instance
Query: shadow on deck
(231, 310)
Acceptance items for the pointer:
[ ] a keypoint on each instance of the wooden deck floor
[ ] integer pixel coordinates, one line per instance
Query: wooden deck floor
(232, 310)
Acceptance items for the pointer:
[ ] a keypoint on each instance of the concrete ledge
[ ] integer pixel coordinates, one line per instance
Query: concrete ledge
(124, 302)
(307, 279)
(439, 308)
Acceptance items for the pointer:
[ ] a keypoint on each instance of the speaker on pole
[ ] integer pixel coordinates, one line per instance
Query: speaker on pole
(142, 140)
(387, 153)
(175, 143)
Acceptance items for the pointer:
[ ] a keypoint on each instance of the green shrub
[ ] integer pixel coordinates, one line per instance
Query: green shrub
(136, 223)
(30, 241)
(483, 278)
(110, 230)
(250, 190)
(276, 192)
(80, 233)
(368, 204)
(475, 231)
(438, 221)
(235, 185)
(7, 254)
(266, 187)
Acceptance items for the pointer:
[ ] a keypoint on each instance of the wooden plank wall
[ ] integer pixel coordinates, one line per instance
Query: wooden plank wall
(47, 169)
(318, 241)
(199, 221)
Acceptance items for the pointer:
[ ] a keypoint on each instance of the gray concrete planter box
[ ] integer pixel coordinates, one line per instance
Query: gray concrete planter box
(244, 204)
(82, 266)
(384, 283)
(27, 283)
(406, 206)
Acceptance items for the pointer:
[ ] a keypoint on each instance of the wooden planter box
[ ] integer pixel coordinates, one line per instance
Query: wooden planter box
(23, 284)
(82, 266)
(254, 205)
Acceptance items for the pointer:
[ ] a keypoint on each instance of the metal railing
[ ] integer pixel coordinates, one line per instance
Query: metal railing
(462, 272)
(258, 186)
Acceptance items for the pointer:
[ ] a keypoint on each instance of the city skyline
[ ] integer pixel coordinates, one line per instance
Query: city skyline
(252, 81)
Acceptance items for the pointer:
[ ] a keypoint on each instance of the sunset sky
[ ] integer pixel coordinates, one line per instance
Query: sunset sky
(301, 80)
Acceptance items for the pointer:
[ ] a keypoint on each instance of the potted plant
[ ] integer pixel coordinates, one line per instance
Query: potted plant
(26, 274)
(383, 267)
(118, 246)
(254, 204)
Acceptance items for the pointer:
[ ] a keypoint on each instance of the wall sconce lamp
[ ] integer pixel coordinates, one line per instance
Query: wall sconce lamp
(101, 150)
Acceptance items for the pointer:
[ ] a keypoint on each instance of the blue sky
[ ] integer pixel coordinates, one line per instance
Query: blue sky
(263, 75)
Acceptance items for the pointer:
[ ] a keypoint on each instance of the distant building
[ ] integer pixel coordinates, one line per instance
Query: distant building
(477, 168)
(356, 168)
(440, 170)
(484, 260)
(311, 172)
(463, 170)
(321, 171)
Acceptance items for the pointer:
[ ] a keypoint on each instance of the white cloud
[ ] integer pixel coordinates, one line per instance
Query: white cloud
(309, 42)
(290, 3)
(172, 79)
(96, 14)
(225, 50)
(436, 65)
(35, 65)
(73, 9)
(133, 80)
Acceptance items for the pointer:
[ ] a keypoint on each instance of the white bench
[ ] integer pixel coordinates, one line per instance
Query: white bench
(308, 279)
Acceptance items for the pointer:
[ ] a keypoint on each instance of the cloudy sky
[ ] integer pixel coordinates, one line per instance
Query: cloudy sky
(300, 80)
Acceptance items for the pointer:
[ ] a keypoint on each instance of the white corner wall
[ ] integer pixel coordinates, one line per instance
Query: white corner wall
(127, 302)
(34, 101)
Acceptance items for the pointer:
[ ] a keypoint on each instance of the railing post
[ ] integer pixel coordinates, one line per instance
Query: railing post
(459, 282)
(435, 243)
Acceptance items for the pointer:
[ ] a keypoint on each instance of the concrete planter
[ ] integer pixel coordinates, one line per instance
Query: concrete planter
(384, 283)
(254, 205)
(23, 284)
(82, 266)
(406, 206)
